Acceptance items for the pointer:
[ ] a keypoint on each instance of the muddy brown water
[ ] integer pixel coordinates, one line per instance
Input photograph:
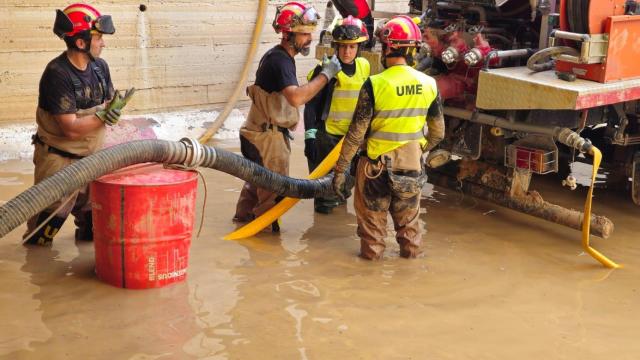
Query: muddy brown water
(493, 284)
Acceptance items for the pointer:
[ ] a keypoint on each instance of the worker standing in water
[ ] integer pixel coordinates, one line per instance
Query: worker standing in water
(358, 9)
(276, 96)
(76, 101)
(328, 115)
(390, 117)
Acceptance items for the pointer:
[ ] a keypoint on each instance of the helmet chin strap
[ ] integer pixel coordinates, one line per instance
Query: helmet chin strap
(405, 53)
(384, 56)
(87, 51)
(87, 48)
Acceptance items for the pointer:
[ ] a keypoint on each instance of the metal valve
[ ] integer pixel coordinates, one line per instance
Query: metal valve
(473, 57)
(450, 55)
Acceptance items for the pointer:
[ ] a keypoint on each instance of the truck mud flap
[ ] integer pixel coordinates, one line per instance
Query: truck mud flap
(469, 144)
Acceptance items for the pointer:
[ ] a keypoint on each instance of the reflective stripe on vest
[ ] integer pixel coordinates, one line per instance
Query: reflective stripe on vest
(345, 98)
(402, 96)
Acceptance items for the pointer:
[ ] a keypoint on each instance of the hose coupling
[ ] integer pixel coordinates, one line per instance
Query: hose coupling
(450, 55)
(570, 182)
(574, 140)
(195, 154)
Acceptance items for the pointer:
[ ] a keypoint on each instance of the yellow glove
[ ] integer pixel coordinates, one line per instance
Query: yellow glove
(111, 114)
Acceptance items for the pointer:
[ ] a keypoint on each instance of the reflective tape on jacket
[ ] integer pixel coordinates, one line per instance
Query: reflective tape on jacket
(402, 97)
(345, 98)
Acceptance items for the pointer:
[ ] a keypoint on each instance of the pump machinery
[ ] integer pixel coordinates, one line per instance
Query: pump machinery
(530, 87)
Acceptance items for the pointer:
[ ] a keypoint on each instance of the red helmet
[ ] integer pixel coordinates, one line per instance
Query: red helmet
(295, 17)
(350, 31)
(78, 18)
(400, 31)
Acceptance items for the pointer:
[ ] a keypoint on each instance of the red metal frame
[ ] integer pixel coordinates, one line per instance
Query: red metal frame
(623, 52)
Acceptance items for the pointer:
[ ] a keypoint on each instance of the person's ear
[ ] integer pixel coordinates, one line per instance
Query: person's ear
(80, 43)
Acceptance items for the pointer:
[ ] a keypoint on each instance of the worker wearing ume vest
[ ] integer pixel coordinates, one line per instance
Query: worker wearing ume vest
(276, 96)
(75, 104)
(393, 110)
(328, 115)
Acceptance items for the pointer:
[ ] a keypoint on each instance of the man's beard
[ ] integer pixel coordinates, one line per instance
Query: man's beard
(305, 49)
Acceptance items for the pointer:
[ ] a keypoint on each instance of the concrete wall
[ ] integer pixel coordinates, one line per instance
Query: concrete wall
(178, 54)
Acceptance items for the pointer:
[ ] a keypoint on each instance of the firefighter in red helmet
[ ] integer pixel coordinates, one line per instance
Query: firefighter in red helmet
(328, 115)
(76, 101)
(393, 110)
(276, 96)
(359, 9)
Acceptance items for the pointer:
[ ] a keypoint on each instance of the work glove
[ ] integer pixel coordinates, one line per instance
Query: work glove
(109, 117)
(330, 66)
(338, 185)
(111, 114)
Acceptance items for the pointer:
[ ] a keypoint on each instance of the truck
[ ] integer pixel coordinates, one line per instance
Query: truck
(531, 87)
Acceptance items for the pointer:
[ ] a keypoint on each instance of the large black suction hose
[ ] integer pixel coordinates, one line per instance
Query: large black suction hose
(187, 153)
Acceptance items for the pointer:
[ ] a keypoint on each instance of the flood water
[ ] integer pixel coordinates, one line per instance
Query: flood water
(493, 284)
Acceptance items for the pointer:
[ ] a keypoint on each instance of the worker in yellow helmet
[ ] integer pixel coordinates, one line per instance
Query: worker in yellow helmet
(328, 115)
(393, 109)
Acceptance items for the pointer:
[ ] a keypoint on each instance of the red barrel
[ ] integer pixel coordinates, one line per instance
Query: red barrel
(143, 219)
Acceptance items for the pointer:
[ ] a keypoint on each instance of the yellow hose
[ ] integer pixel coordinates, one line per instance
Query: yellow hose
(586, 221)
(287, 203)
(251, 53)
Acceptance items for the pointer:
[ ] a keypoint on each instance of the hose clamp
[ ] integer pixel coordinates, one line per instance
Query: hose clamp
(195, 154)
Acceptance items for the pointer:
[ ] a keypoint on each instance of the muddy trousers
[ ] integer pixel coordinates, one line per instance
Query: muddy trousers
(373, 199)
(324, 143)
(46, 164)
(270, 148)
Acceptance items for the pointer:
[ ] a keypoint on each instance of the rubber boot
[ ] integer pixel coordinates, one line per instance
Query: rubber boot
(324, 205)
(275, 226)
(44, 236)
(84, 224)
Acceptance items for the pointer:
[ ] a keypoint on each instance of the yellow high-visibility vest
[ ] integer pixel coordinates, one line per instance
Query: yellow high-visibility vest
(402, 97)
(345, 97)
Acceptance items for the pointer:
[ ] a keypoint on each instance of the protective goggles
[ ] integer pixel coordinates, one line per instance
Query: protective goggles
(104, 25)
(305, 22)
(308, 17)
(349, 32)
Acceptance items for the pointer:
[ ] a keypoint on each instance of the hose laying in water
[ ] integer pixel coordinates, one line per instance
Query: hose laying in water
(597, 157)
(187, 153)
